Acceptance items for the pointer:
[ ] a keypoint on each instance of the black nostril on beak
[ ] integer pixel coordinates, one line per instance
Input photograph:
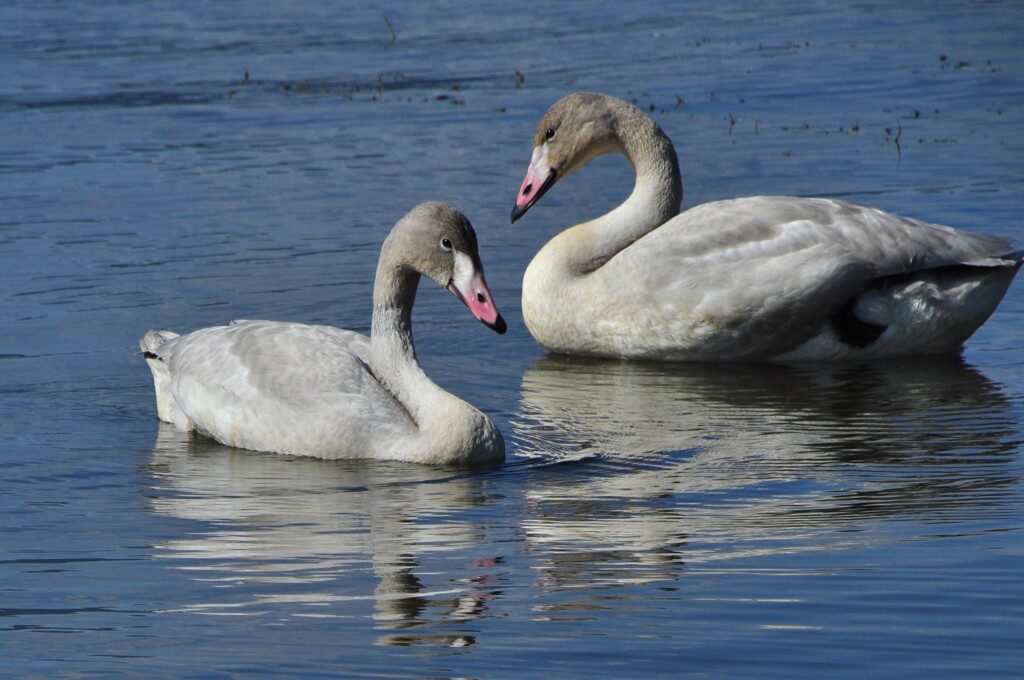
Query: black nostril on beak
(527, 189)
(480, 297)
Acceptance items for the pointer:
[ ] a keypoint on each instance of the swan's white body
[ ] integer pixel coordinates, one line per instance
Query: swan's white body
(332, 393)
(753, 278)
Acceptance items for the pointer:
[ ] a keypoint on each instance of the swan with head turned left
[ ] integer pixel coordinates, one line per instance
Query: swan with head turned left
(765, 277)
(331, 393)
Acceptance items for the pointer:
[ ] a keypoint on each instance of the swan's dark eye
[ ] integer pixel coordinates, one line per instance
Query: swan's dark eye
(549, 135)
(446, 243)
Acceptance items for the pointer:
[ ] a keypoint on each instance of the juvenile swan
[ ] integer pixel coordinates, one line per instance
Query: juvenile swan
(754, 278)
(331, 393)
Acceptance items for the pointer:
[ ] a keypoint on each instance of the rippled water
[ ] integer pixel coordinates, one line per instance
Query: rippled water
(170, 166)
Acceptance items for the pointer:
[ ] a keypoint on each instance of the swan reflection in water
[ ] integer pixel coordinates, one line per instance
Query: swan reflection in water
(325, 538)
(701, 463)
(622, 474)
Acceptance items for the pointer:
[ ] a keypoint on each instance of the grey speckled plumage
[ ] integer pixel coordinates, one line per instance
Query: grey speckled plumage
(333, 393)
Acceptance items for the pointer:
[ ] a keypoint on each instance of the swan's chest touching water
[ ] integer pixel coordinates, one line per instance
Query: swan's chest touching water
(556, 306)
(599, 313)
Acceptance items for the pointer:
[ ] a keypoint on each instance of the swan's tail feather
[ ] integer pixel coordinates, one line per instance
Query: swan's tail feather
(152, 341)
(935, 310)
(152, 346)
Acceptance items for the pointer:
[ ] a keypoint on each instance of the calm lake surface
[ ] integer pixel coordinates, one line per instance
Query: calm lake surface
(170, 166)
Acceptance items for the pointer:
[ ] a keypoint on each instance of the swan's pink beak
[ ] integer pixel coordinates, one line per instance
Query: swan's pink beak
(540, 177)
(469, 285)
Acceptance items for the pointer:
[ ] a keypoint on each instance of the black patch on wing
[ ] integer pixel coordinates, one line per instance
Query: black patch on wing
(852, 330)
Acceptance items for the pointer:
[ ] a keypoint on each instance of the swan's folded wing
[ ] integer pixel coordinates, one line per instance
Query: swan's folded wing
(760, 275)
(760, 254)
(284, 387)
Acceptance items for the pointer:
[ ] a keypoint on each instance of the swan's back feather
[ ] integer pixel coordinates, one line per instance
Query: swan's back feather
(759, 277)
(765, 231)
(285, 387)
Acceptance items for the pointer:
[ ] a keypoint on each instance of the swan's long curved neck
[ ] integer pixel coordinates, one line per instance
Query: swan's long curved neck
(656, 197)
(393, 355)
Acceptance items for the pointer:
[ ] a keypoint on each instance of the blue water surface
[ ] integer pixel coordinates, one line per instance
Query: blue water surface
(181, 165)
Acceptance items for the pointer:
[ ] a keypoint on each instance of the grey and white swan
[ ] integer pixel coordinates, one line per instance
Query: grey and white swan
(758, 278)
(330, 393)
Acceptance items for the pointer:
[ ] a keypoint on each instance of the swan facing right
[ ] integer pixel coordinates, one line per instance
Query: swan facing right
(330, 393)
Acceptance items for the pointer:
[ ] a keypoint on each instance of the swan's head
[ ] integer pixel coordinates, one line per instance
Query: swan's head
(577, 129)
(438, 241)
